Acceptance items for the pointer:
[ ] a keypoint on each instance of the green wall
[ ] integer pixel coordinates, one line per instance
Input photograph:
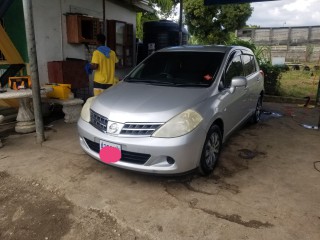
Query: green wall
(14, 26)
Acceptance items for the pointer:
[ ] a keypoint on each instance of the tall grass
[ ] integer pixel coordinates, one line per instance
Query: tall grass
(299, 83)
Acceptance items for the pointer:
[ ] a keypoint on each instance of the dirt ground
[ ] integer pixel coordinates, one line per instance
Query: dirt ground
(266, 186)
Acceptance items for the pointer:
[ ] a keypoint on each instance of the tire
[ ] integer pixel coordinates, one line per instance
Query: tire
(257, 113)
(211, 151)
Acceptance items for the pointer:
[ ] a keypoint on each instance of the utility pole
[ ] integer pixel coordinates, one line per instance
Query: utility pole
(104, 17)
(180, 22)
(32, 54)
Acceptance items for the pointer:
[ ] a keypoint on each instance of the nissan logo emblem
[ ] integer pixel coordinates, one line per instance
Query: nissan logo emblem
(113, 128)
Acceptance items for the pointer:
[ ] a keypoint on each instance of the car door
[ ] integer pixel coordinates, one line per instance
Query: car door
(233, 101)
(253, 76)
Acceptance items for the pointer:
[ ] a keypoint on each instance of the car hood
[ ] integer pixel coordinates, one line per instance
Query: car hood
(135, 102)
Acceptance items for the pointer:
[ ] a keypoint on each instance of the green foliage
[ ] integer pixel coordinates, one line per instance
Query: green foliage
(239, 42)
(309, 51)
(253, 26)
(299, 83)
(141, 19)
(272, 77)
(212, 24)
(164, 8)
(164, 5)
(139, 30)
(262, 53)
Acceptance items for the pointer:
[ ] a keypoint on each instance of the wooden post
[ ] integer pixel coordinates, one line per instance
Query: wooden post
(317, 102)
(318, 93)
(104, 17)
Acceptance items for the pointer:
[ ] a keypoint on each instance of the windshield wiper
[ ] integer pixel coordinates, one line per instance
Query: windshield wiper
(137, 80)
(149, 81)
(192, 84)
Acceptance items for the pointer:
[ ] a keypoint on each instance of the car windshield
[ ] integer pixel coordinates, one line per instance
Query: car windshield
(183, 69)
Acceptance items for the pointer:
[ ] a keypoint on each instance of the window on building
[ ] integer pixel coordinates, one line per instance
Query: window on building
(120, 39)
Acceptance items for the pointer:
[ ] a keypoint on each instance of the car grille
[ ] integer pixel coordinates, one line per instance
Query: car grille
(139, 129)
(98, 121)
(130, 157)
(136, 129)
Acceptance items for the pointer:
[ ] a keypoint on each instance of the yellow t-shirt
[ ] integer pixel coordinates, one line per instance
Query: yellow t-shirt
(105, 72)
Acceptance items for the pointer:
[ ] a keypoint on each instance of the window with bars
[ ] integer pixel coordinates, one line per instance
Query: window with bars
(120, 39)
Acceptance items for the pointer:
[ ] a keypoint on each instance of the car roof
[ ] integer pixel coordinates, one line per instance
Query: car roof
(205, 48)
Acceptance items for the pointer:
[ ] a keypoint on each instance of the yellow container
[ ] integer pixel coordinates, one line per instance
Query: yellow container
(60, 91)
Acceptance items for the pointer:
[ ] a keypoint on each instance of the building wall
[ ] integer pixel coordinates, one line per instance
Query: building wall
(115, 12)
(48, 32)
(290, 36)
(296, 53)
(294, 43)
(51, 33)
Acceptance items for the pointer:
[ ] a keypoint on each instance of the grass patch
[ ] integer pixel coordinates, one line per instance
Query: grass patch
(299, 83)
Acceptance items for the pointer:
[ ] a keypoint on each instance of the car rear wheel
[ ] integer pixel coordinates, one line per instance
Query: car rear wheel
(257, 113)
(211, 151)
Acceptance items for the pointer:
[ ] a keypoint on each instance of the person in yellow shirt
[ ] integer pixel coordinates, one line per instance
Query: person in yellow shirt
(103, 63)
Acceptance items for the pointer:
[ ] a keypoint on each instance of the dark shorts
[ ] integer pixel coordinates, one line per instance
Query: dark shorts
(101, 86)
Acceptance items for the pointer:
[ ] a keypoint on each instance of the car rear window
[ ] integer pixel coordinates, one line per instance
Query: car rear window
(179, 68)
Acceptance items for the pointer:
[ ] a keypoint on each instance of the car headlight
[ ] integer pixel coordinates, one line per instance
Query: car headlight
(180, 125)
(85, 111)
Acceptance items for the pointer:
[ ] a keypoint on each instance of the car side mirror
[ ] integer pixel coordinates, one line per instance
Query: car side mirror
(238, 82)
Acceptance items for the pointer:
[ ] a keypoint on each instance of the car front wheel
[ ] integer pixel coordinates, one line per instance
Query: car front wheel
(211, 151)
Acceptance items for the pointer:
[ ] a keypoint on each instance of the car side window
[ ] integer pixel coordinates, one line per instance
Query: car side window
(233, 69)
(249, 64)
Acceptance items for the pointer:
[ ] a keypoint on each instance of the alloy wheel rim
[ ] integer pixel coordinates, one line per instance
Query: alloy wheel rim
(212, 150)
(258, 110)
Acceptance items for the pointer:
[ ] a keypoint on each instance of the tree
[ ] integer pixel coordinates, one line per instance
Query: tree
(212, 24)
(164, 5)
(253, 26)
(161, 7)
(141, 19)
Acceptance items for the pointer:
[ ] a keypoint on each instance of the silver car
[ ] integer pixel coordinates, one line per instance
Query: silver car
(173, 112)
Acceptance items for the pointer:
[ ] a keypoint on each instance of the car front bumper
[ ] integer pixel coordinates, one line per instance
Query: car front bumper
(147, 154)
